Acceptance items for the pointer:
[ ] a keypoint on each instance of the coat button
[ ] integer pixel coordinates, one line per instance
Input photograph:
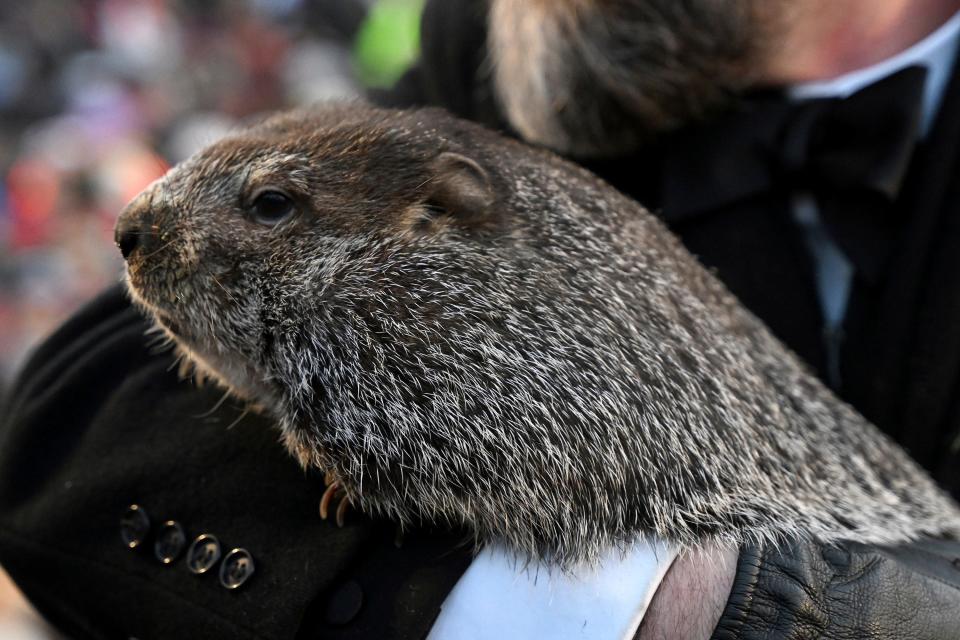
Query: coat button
(237, 567)
(203, 553)
(170, 541)
(345, 604)
(134, 526)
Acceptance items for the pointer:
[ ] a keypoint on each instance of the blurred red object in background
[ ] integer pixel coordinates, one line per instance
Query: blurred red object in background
(33, 191)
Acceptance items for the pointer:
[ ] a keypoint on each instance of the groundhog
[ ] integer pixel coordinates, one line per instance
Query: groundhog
(463, 329)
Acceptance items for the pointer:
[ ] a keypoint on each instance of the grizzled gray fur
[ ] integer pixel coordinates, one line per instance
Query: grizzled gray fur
(464, 329)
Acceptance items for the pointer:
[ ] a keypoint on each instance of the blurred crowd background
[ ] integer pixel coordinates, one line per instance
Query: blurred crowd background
(99, 97)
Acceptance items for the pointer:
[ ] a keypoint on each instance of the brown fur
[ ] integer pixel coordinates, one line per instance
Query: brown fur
(464, 329)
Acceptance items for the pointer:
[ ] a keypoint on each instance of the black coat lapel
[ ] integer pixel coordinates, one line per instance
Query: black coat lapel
(902, 355)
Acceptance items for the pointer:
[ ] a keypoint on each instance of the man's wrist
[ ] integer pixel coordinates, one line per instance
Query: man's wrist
(692, 596)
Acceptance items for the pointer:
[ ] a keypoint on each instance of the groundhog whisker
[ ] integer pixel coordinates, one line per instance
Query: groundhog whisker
(224, 289)
(243, 415)
(213, 409)
(158, 250)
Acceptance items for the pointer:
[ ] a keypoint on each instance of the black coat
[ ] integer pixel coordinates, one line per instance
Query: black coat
(98, 421)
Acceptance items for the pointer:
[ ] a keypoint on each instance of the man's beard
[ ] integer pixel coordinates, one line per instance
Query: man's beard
(600, 77)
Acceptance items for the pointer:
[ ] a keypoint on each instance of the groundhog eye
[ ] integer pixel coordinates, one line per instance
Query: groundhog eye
(271, 207)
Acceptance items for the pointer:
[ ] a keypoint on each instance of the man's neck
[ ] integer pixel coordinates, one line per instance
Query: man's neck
(824, 39)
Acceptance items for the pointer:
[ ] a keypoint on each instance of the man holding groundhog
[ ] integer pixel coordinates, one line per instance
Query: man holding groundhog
(830, 208)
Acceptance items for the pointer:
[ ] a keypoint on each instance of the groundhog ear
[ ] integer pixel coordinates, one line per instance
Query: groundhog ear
(460, 187)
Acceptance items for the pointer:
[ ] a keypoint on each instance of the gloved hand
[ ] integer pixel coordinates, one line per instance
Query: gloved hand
(849, 591)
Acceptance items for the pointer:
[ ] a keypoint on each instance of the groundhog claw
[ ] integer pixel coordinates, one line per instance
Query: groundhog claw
(332, 492)
(342, 509)
(328, 496)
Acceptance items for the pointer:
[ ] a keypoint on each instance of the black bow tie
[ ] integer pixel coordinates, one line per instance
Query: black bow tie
(851, 154)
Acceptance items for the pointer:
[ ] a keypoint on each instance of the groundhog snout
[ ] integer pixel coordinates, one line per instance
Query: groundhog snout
(136, 227)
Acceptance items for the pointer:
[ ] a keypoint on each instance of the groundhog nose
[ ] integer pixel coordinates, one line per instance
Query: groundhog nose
(133, 227)
(126, 236)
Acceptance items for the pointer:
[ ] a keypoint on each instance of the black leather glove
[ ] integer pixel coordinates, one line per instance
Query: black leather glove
(851, 591)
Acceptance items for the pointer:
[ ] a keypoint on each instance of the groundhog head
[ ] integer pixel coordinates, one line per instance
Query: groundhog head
(464, 329)
(230, 248)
